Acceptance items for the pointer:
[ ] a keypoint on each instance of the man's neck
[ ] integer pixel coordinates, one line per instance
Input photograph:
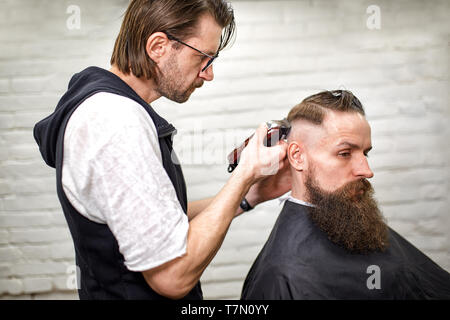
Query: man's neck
(298, 194)
(302, 202)
(145, 88)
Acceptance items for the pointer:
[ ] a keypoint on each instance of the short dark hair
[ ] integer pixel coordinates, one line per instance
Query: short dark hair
(177, 18)
(313, 108)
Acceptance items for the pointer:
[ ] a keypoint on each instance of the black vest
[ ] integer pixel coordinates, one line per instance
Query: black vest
(101, 266)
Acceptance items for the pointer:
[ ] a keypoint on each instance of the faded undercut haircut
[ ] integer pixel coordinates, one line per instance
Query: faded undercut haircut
(178, 18)
(314, 108)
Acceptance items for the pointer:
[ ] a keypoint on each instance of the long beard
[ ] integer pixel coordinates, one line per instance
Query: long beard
(349, 216)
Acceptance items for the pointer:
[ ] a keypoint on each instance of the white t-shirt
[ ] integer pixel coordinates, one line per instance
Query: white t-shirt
(113, 174)
(288, 197)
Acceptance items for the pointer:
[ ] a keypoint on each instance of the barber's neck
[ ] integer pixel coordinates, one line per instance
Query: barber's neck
(145, 88)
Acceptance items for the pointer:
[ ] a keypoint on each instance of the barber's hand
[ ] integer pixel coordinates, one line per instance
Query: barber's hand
(258, 162)
(271, 187)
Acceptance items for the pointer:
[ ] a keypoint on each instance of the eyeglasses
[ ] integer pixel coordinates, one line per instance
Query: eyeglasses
(211, 58)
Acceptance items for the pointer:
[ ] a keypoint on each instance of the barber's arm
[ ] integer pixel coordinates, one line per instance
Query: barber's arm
(268, 188)
(210, 219)
(195, 207)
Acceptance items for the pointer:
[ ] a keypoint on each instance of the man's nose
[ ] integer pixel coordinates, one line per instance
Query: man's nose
(362, 169)
(208, 74)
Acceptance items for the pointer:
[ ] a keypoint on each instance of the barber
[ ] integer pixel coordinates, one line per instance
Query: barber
(123, 195)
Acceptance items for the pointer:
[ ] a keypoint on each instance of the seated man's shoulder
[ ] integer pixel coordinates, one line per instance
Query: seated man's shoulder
(295, 235)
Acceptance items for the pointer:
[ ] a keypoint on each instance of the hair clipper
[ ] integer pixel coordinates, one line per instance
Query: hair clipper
(277, 130)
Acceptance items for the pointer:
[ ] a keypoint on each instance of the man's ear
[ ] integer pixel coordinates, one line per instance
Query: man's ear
(157, 46)
(296, 155)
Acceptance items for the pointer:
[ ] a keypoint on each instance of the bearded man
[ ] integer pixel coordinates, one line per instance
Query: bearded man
(331, 240)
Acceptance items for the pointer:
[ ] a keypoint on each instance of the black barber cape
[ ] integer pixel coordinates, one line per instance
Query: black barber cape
(101, 270)
(298, 261)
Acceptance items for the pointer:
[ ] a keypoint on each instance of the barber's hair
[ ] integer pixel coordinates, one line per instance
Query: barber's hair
(177, 18)
(314, 108)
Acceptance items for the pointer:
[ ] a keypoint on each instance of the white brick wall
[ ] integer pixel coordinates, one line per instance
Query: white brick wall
(284, 51)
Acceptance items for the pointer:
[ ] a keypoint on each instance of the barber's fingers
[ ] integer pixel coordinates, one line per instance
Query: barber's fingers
(261, 133)
(256, 143)
(281, 149)
(261, 160)
(272, 159)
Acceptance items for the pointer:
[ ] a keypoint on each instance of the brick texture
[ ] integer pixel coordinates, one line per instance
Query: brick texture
(284, 51)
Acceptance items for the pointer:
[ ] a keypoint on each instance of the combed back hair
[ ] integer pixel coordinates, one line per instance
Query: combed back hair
(175, 17)
(314, 108)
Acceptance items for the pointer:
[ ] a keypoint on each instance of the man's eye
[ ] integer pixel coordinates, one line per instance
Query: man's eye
(344, 154)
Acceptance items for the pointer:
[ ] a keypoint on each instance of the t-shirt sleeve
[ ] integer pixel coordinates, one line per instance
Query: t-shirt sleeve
(112, 172)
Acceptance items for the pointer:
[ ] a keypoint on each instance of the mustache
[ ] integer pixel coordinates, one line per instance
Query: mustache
(355, 190)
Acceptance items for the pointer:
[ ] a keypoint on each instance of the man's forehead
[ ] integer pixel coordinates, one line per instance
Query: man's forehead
(338, 121)
(335, 128)
(342, 126)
